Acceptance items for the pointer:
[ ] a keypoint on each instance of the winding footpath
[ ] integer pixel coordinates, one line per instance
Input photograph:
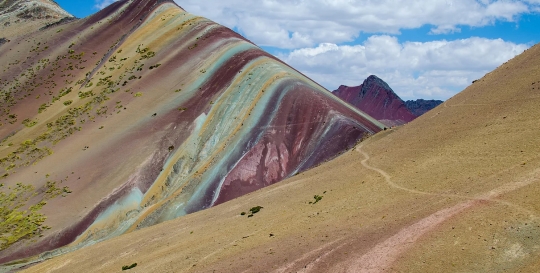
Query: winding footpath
(384, 254)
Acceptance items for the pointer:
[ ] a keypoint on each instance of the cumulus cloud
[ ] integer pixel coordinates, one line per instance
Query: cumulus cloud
(303, 23)
(436, 69)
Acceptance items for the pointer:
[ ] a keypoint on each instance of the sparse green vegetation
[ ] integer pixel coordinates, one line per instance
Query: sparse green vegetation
(317, 199)
(17, 223)
(253, 211)
(127, 267)
(145, 53)
(29, 123)
(47, 84)
(42, 107)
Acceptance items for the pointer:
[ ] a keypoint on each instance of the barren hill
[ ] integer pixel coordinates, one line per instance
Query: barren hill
(143, 113)
(456, 190)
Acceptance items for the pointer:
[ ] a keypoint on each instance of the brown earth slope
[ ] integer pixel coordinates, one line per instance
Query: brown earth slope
(456, 190)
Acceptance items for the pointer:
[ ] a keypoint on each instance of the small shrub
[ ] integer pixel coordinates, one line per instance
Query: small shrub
(138, 94)
(317, 199)
(68, 102)
(254, 210)
(29, 123)
(127, 267)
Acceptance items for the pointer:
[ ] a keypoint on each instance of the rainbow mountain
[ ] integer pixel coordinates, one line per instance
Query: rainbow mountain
(143, 113)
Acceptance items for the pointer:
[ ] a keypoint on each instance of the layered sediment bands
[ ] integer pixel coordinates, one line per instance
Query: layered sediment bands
(147, 113)
(376, 98)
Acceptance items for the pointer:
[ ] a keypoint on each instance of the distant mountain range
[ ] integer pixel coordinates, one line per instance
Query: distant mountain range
(420, 106)
(375, 97)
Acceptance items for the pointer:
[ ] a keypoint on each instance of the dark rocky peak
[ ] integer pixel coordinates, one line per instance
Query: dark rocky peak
(375, 83)
(420, 106)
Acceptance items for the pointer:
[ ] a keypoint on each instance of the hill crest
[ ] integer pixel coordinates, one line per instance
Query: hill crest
(20, 17)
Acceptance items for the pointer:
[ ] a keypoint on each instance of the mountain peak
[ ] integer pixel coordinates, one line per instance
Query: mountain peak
(374, 82)
(375, 97)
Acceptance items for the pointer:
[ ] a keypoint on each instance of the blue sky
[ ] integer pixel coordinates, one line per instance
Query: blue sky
(423, 49)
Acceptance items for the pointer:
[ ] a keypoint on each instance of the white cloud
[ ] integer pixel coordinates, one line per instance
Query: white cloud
(303, 23)
(436, 69)
(444, 29)
(101, 4)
